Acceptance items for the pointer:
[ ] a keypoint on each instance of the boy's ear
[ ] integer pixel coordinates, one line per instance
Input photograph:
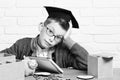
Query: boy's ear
(40, 26)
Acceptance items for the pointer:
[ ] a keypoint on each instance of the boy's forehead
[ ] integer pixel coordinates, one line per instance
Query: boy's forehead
(56, 28)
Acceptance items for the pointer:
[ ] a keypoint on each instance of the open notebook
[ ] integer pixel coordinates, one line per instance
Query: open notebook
(48, 65)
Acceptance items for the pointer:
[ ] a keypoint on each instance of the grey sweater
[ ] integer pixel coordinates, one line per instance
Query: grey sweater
(75, 57)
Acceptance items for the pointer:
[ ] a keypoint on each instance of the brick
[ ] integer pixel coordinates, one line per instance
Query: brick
(86, 21)
(7, 3)
(71, 3)
(106, 3)
(107, 38)
(34, 3)
(116, 63)
(100, 12)
(7, 21)
(77, 36)
(30, 20)
(107, 21)
(95, 47)
(118, 48)
(105, 47)
(1, 30)
(97, 30)
(23, 12)
(10, 39)
(1, 12)
(22, 30)
(81, 38)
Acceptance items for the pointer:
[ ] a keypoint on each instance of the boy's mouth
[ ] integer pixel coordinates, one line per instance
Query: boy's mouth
(47, 43)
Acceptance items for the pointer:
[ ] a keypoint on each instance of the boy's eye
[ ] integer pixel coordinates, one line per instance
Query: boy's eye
(59, 37)
(50, 31)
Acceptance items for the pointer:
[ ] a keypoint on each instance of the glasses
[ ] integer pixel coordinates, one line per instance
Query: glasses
(50, 33)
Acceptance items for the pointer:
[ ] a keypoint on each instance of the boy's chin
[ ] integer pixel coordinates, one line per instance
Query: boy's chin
(46, 47)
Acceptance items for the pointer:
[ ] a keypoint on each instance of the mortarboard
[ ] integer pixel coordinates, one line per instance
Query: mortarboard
(62, 13)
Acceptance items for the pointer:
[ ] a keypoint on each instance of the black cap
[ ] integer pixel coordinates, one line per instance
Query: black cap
(62, 13)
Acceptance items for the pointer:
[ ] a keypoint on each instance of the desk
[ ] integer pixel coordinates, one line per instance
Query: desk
(72, 73)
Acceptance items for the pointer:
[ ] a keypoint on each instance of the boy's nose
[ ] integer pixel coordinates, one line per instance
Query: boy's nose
(51, 39)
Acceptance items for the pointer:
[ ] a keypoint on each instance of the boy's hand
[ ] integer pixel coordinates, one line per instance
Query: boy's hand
(69, 31)
(29, 65)
(32, 64)
(69, 42)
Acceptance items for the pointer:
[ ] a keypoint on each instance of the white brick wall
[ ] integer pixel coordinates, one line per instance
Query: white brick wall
(34, 3)
(1, 30)
(23, 12)
(107, 21)
(101, 12)
(1, 12)
(106, 3)
(75, 3)
(100, 30)
(21, 30)
(99, 22)
(8, 21)
(7, 3)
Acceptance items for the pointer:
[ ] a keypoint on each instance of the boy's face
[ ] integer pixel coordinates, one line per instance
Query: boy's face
(51, 34)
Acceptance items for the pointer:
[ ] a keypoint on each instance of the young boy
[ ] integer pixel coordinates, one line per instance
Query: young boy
(53, 42)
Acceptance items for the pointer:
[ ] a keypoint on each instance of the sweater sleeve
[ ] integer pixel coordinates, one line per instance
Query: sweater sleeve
(11, 50)
(80, 57)
(19, 49)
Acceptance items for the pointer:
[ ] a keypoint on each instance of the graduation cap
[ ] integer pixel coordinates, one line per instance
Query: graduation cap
(62, 13)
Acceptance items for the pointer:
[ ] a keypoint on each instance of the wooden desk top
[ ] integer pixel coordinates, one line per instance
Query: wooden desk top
(71, 74)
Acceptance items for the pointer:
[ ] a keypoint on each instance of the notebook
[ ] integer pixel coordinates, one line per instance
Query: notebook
(47, 65)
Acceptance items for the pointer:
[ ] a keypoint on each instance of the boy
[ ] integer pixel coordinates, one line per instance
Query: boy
(53, 42)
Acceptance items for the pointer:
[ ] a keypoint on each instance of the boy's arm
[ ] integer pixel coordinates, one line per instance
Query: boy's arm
(10, 51)
(15, 49)
(79, 53)
(69, 42)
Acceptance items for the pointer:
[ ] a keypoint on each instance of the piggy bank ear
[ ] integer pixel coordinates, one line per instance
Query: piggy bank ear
(69, 31)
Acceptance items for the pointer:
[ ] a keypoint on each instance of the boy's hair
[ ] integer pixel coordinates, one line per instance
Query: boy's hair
(61, 21)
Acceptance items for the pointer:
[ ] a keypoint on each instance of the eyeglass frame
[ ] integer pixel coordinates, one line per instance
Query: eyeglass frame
(57, 38)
